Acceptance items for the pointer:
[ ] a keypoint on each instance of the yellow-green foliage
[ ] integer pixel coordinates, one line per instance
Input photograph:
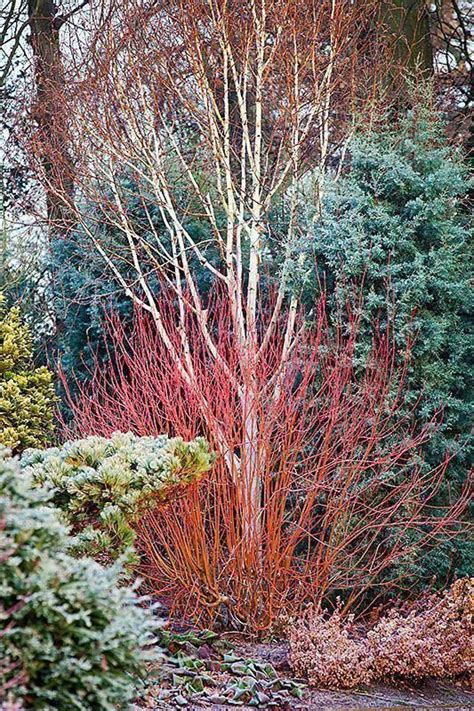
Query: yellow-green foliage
(104, 484)
(26, 393)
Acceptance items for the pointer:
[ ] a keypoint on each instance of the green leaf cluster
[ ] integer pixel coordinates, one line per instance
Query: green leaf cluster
(74, 637)
(204, 669)
(102, 485)
(26, 393)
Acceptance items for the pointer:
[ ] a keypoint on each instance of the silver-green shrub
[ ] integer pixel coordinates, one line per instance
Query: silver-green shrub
(74, 638)
(103, 485)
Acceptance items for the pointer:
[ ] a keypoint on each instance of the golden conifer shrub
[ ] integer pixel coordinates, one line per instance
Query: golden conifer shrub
(26, 392)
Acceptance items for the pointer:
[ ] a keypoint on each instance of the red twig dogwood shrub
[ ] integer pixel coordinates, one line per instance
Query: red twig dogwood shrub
(433, 639)
(319, 476)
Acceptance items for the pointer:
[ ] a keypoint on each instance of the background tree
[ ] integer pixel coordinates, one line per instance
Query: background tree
(409, 23)
(33, 96)
(397, 225)
(451, 23)
(30, 34)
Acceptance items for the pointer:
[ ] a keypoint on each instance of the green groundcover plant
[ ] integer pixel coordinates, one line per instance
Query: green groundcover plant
(102, 485)
(74, 637)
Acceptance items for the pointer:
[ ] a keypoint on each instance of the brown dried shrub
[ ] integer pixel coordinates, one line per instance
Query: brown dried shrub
(323, 650)
(432, 639)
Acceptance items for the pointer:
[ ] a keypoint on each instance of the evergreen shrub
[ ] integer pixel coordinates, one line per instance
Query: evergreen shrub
(74, 637)
(26, 393)
(102, 485)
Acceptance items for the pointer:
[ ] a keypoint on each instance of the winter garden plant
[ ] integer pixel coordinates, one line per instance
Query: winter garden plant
(26, 393)
(433, 638)
(102, 485)
(73, 636)
(339, 459)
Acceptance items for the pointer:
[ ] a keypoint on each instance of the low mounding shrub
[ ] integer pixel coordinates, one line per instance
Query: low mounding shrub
(432, 640)
(323, 650)
(103, 484)
(74, 639)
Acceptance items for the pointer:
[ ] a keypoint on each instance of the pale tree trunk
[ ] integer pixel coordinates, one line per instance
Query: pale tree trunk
(258, 87)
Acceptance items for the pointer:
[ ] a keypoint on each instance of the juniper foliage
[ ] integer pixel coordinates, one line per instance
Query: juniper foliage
(74, 637)
(396, 226)
(397, 223)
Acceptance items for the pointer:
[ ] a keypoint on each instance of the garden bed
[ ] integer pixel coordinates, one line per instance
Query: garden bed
(227, 664)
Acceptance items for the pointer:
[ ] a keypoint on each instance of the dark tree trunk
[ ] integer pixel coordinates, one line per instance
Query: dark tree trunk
(50, 114)
(409, 22)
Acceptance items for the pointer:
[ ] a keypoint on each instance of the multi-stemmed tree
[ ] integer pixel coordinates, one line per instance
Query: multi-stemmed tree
(216, 110)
